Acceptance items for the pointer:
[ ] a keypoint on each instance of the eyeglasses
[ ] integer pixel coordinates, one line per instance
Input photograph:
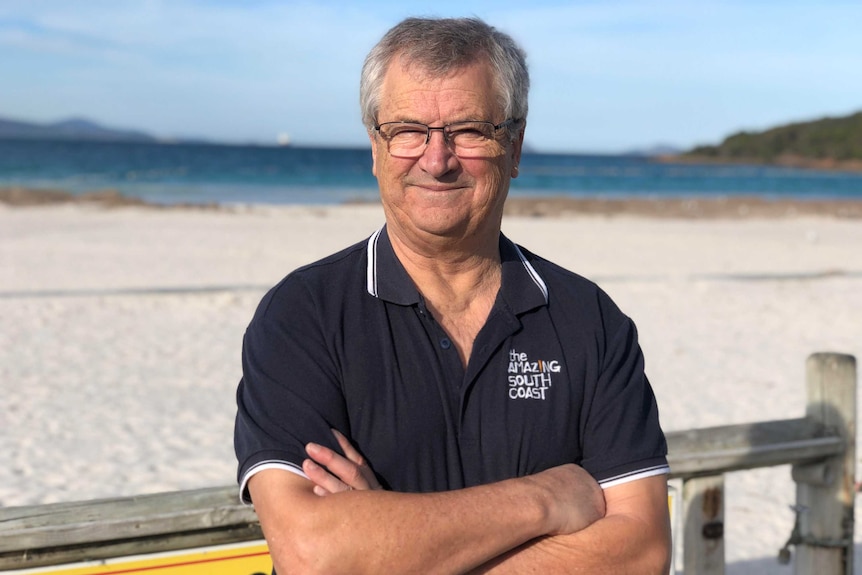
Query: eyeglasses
(465, 139)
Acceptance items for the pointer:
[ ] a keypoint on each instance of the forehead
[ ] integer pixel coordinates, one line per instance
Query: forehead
(410, 92)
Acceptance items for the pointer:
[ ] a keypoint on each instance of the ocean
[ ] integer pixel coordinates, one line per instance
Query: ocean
(225, 174)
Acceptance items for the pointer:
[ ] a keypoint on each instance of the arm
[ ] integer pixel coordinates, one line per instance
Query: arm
(633, 536)
(376, 531)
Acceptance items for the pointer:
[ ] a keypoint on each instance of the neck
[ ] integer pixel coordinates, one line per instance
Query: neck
(459, 285)
(458, 267)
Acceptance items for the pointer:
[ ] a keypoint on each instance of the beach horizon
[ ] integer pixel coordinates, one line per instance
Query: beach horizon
(550, 205)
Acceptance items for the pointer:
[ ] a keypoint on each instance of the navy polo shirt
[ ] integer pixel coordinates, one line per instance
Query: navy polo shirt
(555, 376)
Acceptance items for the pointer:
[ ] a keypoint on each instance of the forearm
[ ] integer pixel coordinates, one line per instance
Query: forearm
(633, 537)
(387, 532)
(433, 533)
(613, 545)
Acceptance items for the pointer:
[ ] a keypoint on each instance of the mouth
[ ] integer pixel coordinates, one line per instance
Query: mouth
(436, 187)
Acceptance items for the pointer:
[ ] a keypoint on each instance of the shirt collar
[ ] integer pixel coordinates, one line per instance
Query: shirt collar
(386, 278)
(522, 288)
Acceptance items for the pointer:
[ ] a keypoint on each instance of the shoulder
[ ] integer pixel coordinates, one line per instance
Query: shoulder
(343, 262)
(315, 283)
(570, 290)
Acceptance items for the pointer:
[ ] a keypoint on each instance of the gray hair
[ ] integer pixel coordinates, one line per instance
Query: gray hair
(441, 46)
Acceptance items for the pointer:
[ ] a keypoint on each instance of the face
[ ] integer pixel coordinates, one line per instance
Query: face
(439, 196)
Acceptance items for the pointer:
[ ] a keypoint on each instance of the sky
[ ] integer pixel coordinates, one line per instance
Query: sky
(607, 76)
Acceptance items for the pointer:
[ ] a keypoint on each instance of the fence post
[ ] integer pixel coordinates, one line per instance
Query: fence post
(703, 537)
(825, 491)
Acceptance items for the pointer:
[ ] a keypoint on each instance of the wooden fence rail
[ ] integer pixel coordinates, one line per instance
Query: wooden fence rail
(819, 446)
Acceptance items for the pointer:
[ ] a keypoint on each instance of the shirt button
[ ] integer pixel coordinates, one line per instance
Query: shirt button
(445, 343)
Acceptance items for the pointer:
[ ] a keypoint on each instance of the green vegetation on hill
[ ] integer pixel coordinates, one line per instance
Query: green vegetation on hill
(829, 142)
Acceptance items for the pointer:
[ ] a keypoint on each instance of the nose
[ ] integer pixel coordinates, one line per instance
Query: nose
(438, 157)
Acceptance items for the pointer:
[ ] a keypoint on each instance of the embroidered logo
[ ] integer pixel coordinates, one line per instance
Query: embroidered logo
(530, 379)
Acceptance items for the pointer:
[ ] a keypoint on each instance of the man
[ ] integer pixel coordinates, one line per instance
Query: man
(437, 399)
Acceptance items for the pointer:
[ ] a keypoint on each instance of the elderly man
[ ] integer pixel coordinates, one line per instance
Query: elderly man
(437, 399)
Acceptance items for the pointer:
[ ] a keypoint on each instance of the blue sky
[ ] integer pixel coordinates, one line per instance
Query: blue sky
(608, 76)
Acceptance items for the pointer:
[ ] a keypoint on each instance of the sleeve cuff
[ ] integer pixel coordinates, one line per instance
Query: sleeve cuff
(635, 475)
(244, 495)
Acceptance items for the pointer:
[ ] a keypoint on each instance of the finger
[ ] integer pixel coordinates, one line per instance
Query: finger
(324, 482)
(348, 472)
(356, 457)
(348, 448)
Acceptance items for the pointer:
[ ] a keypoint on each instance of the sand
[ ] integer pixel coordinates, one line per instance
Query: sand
(120, 332)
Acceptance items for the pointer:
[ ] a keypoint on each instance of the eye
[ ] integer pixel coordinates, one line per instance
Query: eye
(406, 130)
(468, 132)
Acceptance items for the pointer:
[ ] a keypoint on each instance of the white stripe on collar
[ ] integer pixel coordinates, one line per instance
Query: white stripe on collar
(533, 273)
(371, 271)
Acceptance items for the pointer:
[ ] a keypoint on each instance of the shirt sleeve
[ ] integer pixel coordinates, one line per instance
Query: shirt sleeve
(623, 440)
(289, 393)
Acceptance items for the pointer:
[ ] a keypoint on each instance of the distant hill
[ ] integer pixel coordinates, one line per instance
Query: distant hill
(70, 129)
(829, 143)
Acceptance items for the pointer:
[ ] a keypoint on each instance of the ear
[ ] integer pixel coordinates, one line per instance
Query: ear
(373, 153)
(517, 146)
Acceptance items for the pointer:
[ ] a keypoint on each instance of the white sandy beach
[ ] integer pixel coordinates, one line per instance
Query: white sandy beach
(120, 334)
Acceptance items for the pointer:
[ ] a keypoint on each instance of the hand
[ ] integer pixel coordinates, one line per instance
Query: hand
(575, 499)
(333, 473)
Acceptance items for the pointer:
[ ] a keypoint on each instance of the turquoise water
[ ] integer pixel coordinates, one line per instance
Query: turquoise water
(257, 174)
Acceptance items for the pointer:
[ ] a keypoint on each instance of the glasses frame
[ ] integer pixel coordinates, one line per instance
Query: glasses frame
(444, 130)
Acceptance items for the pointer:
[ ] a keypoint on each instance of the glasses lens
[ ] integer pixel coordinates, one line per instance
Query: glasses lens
(472, 139)
(405, 139)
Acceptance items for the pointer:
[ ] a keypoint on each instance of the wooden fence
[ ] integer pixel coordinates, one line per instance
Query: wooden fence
(820, 447)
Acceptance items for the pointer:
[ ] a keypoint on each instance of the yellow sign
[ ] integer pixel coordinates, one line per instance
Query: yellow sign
(241, 559)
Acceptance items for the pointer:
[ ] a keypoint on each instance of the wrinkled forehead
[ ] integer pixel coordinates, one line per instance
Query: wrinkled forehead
(460, 93)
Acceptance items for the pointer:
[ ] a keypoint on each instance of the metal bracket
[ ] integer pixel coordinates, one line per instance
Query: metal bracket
(821, 474)
(796, 538)
(784, 553)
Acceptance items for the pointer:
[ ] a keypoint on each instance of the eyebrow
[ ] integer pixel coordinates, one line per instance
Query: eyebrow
(411, 121)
